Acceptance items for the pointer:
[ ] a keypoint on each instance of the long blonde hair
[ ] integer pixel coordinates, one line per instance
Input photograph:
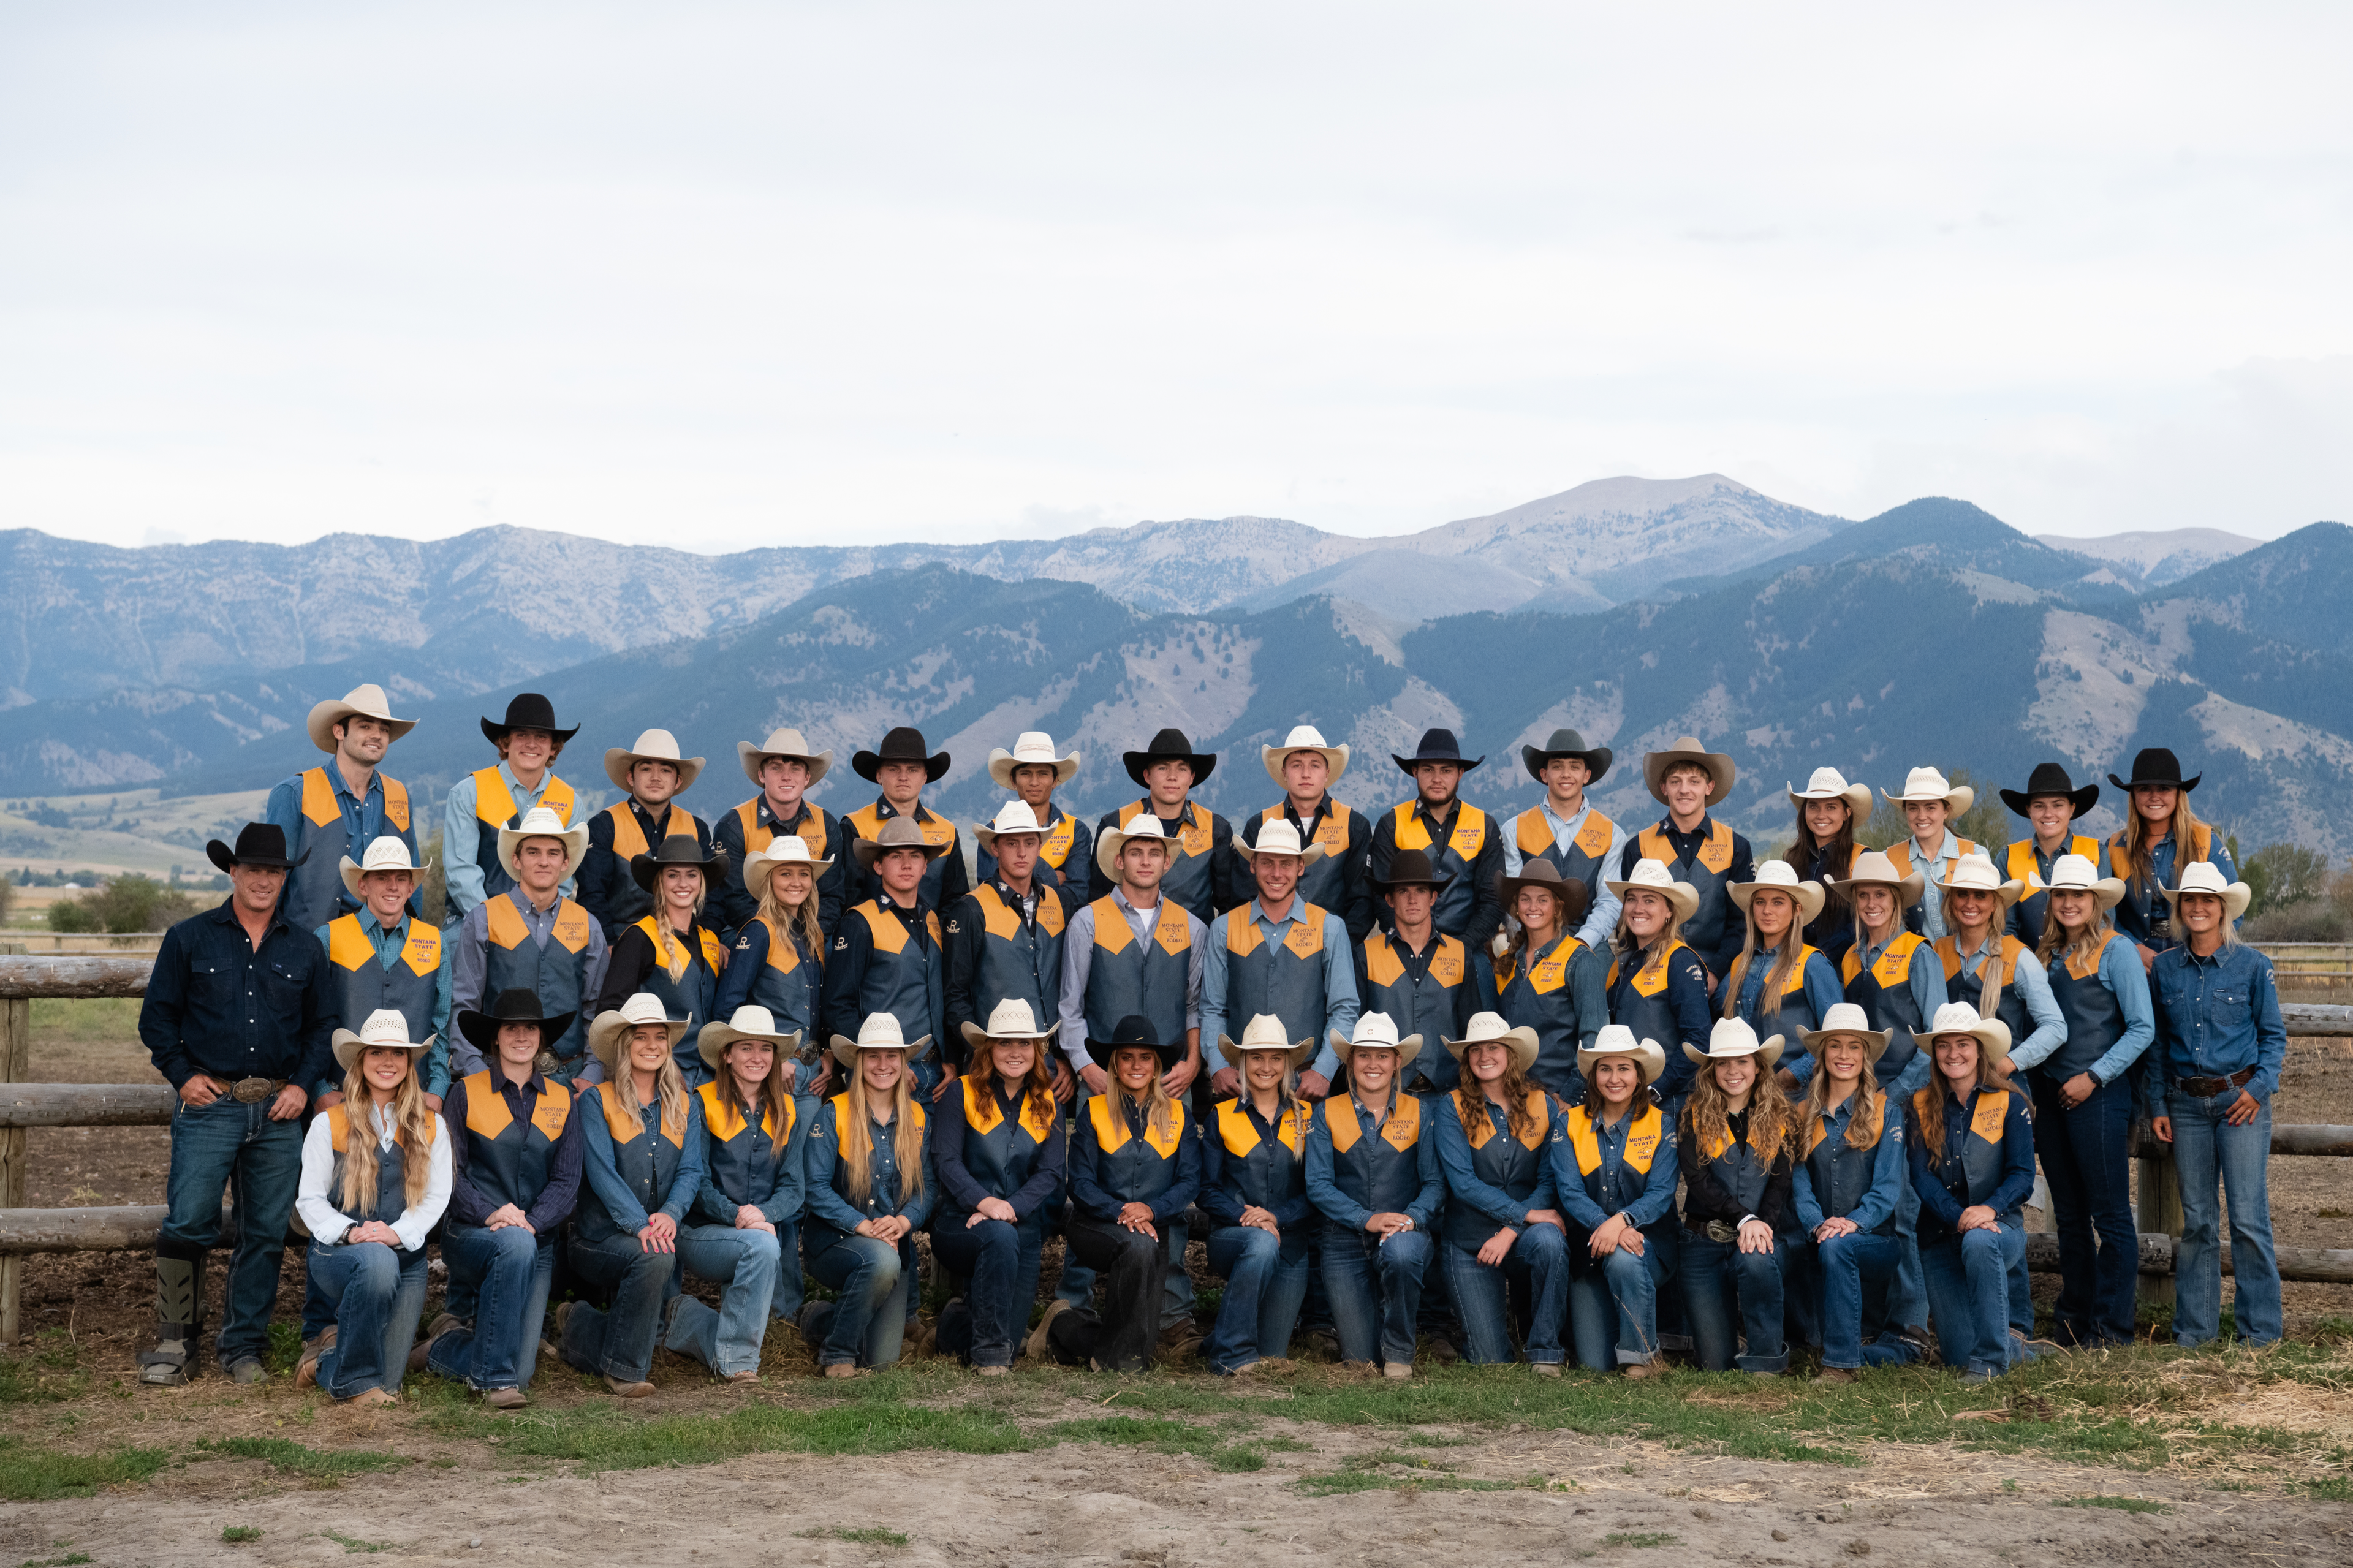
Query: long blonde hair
(1471, 1096)
(672, 953)
(1989, 983)
(2050, 945)
(858, 1144)
(412, 1134)
(1784, 965)
(670, 1086)
(1868, 1119)
(1654, 958)
(801, 923)
(2140, 849)
(1286, 1093)
(1771, 1120)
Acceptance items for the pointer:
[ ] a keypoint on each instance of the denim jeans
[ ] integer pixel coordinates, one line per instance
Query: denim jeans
(869, 1311)
(376, 1294)
(1266, 1281)
(2210, 1156)
(751, 1263)
(1969, 1290)
(618, 1340)
(999, 1265)
(2084, 1155)
(1540, 1257)
(1613, 1303)
(1853, 1269)
(1908, 1295)
(507, 1273)
(260, 1162)
(1719, 1280)
(1121, 1338)
(1375, 1286)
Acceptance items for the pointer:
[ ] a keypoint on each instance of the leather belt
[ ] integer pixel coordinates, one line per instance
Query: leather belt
(2207, 1088)
(254, 1090)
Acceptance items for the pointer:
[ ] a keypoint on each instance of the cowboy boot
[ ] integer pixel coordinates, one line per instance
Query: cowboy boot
(179, 1307)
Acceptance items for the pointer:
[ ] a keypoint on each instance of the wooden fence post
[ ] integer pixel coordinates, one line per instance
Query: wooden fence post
(15, 1066)
(2160, 1204)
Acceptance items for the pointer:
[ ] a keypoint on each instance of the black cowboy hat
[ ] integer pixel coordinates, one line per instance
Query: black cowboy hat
(1567, 744)
(2155, 765)
(903, 744)
(1132, 1033)
(511, 1006)
(2050, 778)
(1574, 897)
(261, 844)
(1409, 869)
(1170, 745)
(1437, 746)
(529, 710)
(678, 850)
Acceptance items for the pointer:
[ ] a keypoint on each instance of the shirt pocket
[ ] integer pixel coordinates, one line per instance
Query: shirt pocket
(281, 993)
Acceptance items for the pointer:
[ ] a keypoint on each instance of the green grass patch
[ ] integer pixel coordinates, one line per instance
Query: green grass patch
(2331, 1489)
(873, 1536)
(70, 1560)
(2121, 1504)
(29, 1474)
(1369, 1472)
(351, 1543)
(1164, 1437)
(295, 1459)
(1638, 1537)
(240, 1535)
(89, 1021)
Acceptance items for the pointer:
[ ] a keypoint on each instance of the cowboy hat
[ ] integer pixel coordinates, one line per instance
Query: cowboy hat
(1486, 1026)
(1278, 837)
(679, 850)
(527, 710)
(783, 850)
(1923, 785)
(903, 744)
(385, 1028)
(1375, 1031)
(1108, 841)
(782, 743)
(541, 822)
(1412, 868)
(653, 746)
(1848, 1018)
(1305, 738)
(259, 843)
(1829, 784)
(2075, 874)
(1653, 877)
(1031, 747)
(1170, 746)
(1974, 873)
(1013, 816)
(1567, 744)
(1132, 1033)
(607, 1030)
(1437, 746)
(2050, 778)
(1687, 749)
(388, 853)
(513, 1005)
(2203, 876)
(1780, 877)
(1872, 869)
(880, 1032)
(1264, 1033)
(1734, 1037)
(1618, 1040)
(1574, 898)
(1961, 1018)
(1011, 1020)
(2156, 765)
(751, 1021)
(362, 702)
(899, 833)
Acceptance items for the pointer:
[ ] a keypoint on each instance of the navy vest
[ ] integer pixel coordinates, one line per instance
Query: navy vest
(1146, 979)
(904, 978)
(314, 889)
(2096, 1020)
(1133, 1170)
(648, 1163)
(1883, 992)
(1979, 1140)
(1021, 961)
(1839, 1172)
(1742, 1169)
(506, 1160)
(391, 1172)
(1437, 1004)
(2009, 1007)
(999, 1149)
(1187, 879)
(556, 974)
(1506, 1162)
(743, 1156)
(358, 983)
(1383, 1171)
(1322, 884)
(1287, 979)
(494, 808)
(1450, 856)
(1796, 1013)
(788, 982)
(1538, 995)
(1259, 1171)
(1707, 870)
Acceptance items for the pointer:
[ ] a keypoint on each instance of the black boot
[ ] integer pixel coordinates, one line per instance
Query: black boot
(179, 1305)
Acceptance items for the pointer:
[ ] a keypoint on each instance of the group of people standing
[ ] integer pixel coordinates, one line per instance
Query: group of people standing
(1427, 1075)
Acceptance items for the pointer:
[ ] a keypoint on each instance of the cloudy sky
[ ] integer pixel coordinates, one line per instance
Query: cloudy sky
(715, 275)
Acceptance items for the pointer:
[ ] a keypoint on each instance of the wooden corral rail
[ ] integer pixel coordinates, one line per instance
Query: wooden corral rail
(2308, 1264)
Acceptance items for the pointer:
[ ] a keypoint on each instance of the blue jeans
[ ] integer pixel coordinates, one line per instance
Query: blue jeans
(2209, 1156)
(1907, 1294)
(1539, 1258)
(999, 1264)
(2083, 1154)
(1613, 1304)
(507, 1273)
(1969, 1290)
(1266, 1281)
(376, 1293)
(619, 1341)
(1854, 1268)
(869, 1312)
(751, 1263)
(1719, 1280)
(226, 1144)
(1375, 1286)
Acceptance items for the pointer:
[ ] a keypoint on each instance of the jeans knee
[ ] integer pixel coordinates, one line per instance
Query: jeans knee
(1408, 1250)
(999, 1242)
(1543, 1243)
(512, 1243)
(375, 1267)
(1753, 1268)
(1623, 1269)
(1259, 1246)
(759, 1248)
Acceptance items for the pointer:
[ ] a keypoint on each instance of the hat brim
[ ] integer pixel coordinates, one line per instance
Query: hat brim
(1001, 763)
(1597, 760)
(1990, 1034)
(1857, 798)
(1112, 840)
(325, 716)
(1650, 1059)
(759, 863)
(1956, 801)
(2108, 890)
(1409, 763)
(1523, 1041)
(869, 765)
(1202, 763)
(1721, 773)
(1099, 1052)
(645, 869)
(606, 1030)
(1681, 897)
(2008, 893)
(1907, 890)
(975, 1033)
(1768, 1049)
(617, 763)
(2184, 786)
(348, 1046)
(1807, 894)
(1296, 1055)
(352, 872)
(2079, 801)
(866, 851)
(986, 837)
(1306, 856)
(845, 1049)
(1434, 882)
(2235, 897)
(495, 731)
(482, 1029)
(1875, 1041)
(576, 847)
(1567, 894)
(712, 1043)
(754, 760)
(1346, 1048)
(1335, 758)
(224, 856)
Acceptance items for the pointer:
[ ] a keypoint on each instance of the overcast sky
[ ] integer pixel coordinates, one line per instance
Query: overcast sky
(715, 275)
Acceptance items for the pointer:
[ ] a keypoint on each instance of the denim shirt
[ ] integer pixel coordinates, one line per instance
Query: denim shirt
(1601, 919)
(2033, 982)
(2216, 1016)
(217, 1005)
(1462, 1183)
(1642, 1208)
(600, 1166)
(1890, 1169)
(1340, 1003)
(1823, 992)
(886, 1184)
(2140, 911)
(2121, 973)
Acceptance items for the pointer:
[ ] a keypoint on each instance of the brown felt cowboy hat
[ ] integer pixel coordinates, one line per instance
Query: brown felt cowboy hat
(1574, 898)
(903, 744)
(1169, 746)
(1687, 749)
(360, 702)
(899, 833)
(1567, 744)
(527, 710)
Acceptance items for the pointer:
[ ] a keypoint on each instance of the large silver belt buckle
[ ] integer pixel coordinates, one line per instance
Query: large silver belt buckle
(252, 1090)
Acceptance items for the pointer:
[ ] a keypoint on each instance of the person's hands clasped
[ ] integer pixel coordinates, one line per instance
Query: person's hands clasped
(1260, 1219)
(1138, 1217)
(1834, 1226)
(373, 1230)
(1977, 1217)
(993, 1208)
(749, 1217)
(1756, 1235)
(890, 1227)
(506, 1217)
(658, 1234)
(1606, 1235)
(1388, 1222)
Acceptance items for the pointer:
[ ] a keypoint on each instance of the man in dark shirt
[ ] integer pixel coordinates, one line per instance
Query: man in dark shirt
(235, 1019)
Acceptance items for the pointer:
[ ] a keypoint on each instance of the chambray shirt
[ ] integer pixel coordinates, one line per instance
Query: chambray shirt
(1926, 975)
(2121, 973)
(2216, 1016)
(216, 1004)
(2142, 910)
(1643, 1199)
(2033, 984)
(1823, 992)
(363, 821)
(1340, 1003)
(460, 834)
(1079, 961)
(432, 1073)
(1601, 919)
(1937, 869)
(470, 958)
(1890, 1169)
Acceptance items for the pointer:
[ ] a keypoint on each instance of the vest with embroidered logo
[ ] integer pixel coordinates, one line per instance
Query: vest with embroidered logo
(1796, 1013)
(1187, 879)
(691, 995)
(1450, 858)
(1638, 997)
(1581, 860)
(1260, 1170)
(1382, 1171)
(391, 1199)
(1508, 1162)
(358, 983)
(1000, 1151)
(1021, 961)
(495, 807)
(1740, 1167)
(1285, 978)
(789, 980)
(1643, 1139)
(906, 1155)
(1439, 1005)
(1133, 1170)
(748, 1160)
(1883, 992)
(1325, 883)
(867, 822)
(904, 978)
(628, 902)
(647, 1160)
(1147, 979)
(2025, 862)
(2011, 1006)
(1537, 994)
(1839, 1172)
(556, 974)
(1708, 870)
(315, 893)
(1982, 1144)
(506, 1159)
(2095, 1020)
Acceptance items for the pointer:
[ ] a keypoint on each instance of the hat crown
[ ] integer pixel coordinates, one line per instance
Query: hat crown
(1974, 871)
(1012, 1016)
(1034, 746)
(1731, 1038)
(1146, 825)
(386, 1026)
(1375, 1029)
(2073, 871)
(789, 847)
(1925, 781)
(644, 1007)
(369, 698)
(786, 742)
(656, 745)
(514, 1006)
(1777, 873)
(1651, 874)
(1015, 816)
(1843, 1017)
(1278, 837)
(1954, 1018)
(1873, 866)
(751, 1018)
(1565, 740)
(1303, 735)
(2049, 778)
(541, 819)
(900, 833)
(1612, 1040)
(1826, 781)
(880, 1031)
(386, 853)
(2202, 877)
(1485, 1026)
(1438, 745)
(1264, 1033)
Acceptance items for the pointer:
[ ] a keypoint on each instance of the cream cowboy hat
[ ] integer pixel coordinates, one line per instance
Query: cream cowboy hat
(881, 1032)
(783, 850)
(1031, 746)
(2074, 874)
(360, 702)
(1651, 877)
(1687, 749)
(751, 1021)
(1378, 1032)
(1928, 783)
(385, 854)
(1278, 837)
(1872, 869)
(1847, 1018)
(2202, 877)
(385, 1028)
(782, 743)
(1305, 738)
(1108, 842)
(1829, 784)
(653, 746)
(1734, 1037)
(1618, 1040)
(1780, 877)
(1011, 1020)
(1013, 816)
(1961, 1018)
(609, 1028)
(1975, 874)
(1486, 1026)
(541, 822)
(1264, 1033)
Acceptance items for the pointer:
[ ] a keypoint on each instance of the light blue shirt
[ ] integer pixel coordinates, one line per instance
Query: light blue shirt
(1079, 962)
(1340, 1003)
(461, 836)
(2033, 984)
(1936, 870)
(1600, 920)
(2121, 973)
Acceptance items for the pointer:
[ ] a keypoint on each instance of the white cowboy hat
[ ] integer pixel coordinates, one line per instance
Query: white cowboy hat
(1928, 783)
(388, 853)
(1030, 746)
(1011, 1020)
(1848, 1018)
(751, 1021)
(1278, 837)
(1305, 738)
(2203, 876)
(1378, 1031)
(1779, 875)
(541, 822)
(607, 1030)
(1108, 842)
(653, 746)
(880, 1032)
(1013, 816)
(1486, 1026)
(1872, 869)
(1651, 877)
(1961, 1018)
(1264, 1033)
(2075, 874)
(383, 1028)
(1734, 1037)
(362, 702)
(1829, 784)
(781, 743)
(1618, 1040)
(1687, 749)
(1975, 874)
(783, 850)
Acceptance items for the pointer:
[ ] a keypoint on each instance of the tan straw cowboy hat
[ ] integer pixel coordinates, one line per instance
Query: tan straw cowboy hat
(1013, 816)
(1928, 783)
(1848, 1018)
(1653, 877)
(653, 746)
(786, 742)
(1734, 1037)
(359, 702)
(1108, 842)
(1974, 873)
(1961, 1018)
(881, 1032)
(1618, 1040)
(751, 1021)
(783, 850)
(1264, 1033)
(2075, 874)
(1011, 1020)
(1375, 1031)
(1303, 738)
(1780, 877)
(541, 822)
(1031, 747)
(1873, 869)
(1279, 838)
(388, 853)
(385, 1030)
(1829, 784)
(1487, 1026)
(607, 1029)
